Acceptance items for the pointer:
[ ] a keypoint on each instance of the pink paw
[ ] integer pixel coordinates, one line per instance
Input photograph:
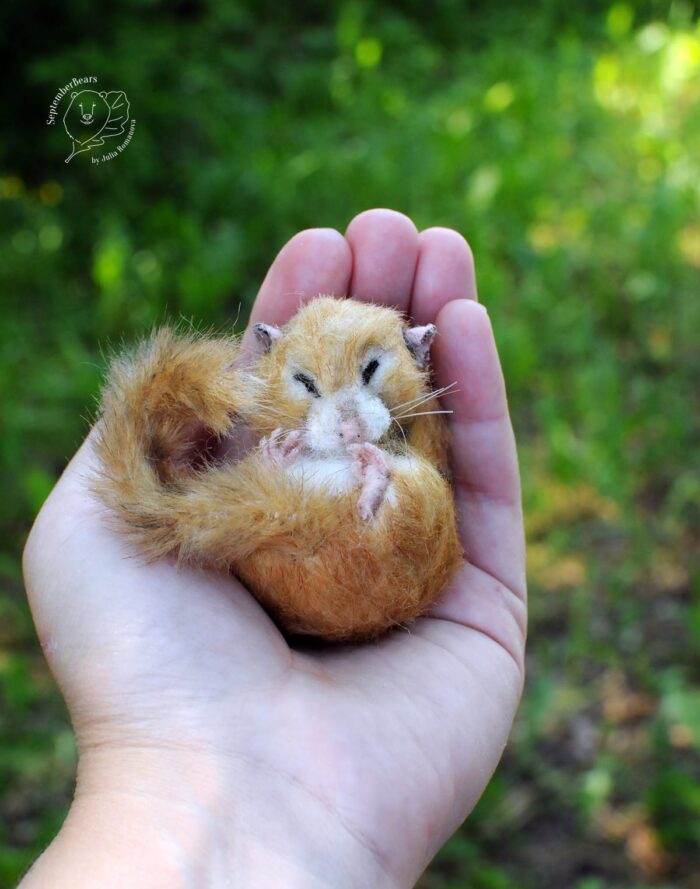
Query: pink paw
(282, 446)
(372, 470)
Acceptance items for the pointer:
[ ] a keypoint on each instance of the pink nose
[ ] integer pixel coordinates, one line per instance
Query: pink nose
(350, 431)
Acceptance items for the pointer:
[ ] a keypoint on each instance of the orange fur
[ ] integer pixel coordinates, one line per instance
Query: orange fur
(305, 552)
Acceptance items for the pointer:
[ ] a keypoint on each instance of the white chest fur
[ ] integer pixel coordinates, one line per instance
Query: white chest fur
(339, 474)
(333, 474)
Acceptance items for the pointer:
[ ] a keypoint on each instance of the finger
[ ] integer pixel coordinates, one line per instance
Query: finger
(318, 260)
(444, 272)
(384, 246)
(484, 459)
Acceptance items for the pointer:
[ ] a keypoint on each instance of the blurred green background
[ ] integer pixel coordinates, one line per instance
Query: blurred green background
(564, 141)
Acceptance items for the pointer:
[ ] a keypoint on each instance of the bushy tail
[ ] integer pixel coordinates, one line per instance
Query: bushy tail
(159, 404)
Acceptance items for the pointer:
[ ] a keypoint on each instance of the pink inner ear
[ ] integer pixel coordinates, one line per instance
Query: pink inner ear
(266, 334)
(419, 340)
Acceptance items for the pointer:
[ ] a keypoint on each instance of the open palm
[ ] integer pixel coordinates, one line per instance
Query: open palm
(339, 761)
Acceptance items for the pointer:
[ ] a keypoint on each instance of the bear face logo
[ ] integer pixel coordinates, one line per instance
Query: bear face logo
(87, 116)
(92, 117)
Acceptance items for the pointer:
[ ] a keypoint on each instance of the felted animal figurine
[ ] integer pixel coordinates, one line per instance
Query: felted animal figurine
(340, 520)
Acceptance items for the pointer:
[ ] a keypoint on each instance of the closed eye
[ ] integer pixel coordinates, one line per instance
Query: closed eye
(308, 384)
(369, 371)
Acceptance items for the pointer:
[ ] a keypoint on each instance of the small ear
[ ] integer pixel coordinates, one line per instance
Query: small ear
(103, 95)
(266, 334)
(73, 95)
(419, 340)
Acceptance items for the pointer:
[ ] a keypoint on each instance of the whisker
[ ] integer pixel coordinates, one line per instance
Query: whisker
(433, 393)
(401, 429)
(426, 396)
(422, 414)
(407, 404)
(405, 441)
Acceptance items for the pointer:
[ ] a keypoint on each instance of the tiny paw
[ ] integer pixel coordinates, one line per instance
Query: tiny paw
(282, 446)
(372, 470)
(369, 459)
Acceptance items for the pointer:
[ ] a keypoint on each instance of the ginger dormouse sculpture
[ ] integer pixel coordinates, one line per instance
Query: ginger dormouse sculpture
(339, 518)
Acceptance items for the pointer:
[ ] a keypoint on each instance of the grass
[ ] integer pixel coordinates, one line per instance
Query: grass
(565, 147)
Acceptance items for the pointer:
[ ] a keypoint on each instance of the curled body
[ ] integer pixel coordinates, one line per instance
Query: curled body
(339, 515)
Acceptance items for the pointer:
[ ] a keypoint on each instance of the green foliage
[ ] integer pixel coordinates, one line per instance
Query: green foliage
(563, 141)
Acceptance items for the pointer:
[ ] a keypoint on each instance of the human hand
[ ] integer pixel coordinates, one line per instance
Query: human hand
(210, 753)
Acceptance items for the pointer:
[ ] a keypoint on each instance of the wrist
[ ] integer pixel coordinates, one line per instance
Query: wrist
(152, 819)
